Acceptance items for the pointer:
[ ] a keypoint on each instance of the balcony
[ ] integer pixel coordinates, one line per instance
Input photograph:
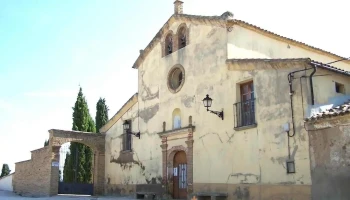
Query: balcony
(244, 114)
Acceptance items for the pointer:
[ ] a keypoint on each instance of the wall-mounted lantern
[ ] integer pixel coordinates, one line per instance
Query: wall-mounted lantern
(207, 103)
(126, 127)
(290, 167)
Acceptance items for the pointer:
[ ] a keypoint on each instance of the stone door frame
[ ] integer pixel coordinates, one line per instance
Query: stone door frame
(95, 141)
(168, 160)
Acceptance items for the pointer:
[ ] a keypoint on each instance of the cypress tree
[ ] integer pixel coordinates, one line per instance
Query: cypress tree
(68, 169)
(80, 157)
(46, 143)
(101, 114)
(5, 170)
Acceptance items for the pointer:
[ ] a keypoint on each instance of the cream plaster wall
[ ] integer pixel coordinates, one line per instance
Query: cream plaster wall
(221, 154)
(124, 168)
(245, 43)
(6, 183)
(327, 83)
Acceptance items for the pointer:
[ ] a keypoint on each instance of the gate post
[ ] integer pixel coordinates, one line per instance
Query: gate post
(99, 173)
(54, 172)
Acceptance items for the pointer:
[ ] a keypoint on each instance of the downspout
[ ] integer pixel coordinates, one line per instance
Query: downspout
(291, 92)
(290, 79)
(311, 85)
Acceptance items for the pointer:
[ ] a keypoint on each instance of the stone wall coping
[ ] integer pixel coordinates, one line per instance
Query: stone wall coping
(58, 131)
(20, 162)
(7, 175)
(40, 149)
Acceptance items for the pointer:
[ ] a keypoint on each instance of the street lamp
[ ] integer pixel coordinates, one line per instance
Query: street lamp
(207, 103)
(126, 127)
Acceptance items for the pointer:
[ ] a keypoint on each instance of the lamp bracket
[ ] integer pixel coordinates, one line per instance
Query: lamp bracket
(218, 113)
(138, 134)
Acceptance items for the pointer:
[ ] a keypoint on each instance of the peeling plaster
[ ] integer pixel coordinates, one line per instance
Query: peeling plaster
(245, 176)
(187, 100)
(149, 95)
(148, 113)
(203, 88)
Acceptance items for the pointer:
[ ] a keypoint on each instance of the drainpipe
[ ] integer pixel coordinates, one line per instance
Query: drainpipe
(291, 92)
(311, 85)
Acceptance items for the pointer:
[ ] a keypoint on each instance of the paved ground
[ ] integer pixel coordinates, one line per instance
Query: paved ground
(4, 195)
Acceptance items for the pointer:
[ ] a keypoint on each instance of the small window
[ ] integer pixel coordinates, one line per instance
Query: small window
(339, 88)
(176, 78)
(182, 38)
(127, 139)
(169, 44)
(245, 109)
(247, 91)
(176, 118)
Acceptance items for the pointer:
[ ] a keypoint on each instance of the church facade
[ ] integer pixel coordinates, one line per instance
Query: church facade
(224, 109)
(219, 112)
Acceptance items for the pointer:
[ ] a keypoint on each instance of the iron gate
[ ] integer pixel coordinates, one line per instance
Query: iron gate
(75, 188)
(72, 187)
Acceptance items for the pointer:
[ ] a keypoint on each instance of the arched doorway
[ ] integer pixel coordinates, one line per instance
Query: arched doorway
(180, 175)
(93, 140)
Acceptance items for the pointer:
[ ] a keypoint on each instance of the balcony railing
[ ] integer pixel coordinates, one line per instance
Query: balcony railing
(244, 113)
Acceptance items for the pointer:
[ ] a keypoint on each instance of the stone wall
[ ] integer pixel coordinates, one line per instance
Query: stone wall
(330, 158)
(32, 177)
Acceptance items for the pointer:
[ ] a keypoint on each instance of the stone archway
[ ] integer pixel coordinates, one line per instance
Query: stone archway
(95, 141)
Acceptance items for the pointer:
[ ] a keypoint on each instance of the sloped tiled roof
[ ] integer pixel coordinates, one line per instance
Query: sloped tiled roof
(308, 60)
(329, 67)
(332, 112)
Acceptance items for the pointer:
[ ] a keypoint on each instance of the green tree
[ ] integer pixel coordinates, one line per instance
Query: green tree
(79, 162)
(101, 114)
(5, 170)
(46, 143)
(68, 169)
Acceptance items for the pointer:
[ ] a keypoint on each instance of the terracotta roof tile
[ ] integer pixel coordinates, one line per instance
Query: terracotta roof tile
(329, 67)
(332, 112)
(316, 63)
(266, 59)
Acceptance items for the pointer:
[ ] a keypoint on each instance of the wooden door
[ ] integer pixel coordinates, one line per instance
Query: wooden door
(180, 175)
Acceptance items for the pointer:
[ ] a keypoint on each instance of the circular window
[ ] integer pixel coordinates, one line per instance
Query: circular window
(176, 78)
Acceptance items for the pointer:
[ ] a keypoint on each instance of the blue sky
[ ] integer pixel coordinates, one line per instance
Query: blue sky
(48, 48)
